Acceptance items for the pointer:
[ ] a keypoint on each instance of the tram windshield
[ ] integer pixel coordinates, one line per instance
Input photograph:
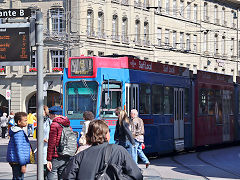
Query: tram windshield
(81, 96)
(111, 98)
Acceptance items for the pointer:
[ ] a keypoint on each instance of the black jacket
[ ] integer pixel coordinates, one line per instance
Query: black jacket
(123, 133)
(87, 163)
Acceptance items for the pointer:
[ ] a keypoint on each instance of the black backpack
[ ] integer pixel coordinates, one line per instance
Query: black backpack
(68, 142)
(111, 171)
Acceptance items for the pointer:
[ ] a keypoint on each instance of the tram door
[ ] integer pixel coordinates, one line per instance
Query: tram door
(132, 93)
(226, 111)
(179, 118)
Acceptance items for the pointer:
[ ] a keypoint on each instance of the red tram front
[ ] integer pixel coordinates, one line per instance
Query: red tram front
(214, 116)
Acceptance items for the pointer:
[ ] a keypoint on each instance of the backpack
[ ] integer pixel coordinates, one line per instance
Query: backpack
(68, 142)
(111, 171)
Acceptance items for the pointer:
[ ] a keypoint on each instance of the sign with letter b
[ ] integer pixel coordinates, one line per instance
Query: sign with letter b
(8, 94)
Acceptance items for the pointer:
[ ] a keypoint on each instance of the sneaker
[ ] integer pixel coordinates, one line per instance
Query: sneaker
(147, 165)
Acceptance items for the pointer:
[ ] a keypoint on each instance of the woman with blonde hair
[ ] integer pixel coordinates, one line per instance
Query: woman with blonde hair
(123, 135)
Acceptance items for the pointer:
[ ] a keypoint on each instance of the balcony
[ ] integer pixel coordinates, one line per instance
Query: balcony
(101, 35)
(225, 23)
(116, 38)
(115, 1)
(125, 2)
(206, 19)
(217, 55)
(234, 25)
(91, 34)
(217, 21)
(137, 4)
(138, 42)
(146, 43)
(125, 39)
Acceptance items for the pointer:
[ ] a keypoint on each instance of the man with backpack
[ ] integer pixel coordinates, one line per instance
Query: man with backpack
(62, 143)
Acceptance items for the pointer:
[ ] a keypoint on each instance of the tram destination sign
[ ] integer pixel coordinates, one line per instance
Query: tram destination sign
(82, 67)
(13, 13)
(14, 44)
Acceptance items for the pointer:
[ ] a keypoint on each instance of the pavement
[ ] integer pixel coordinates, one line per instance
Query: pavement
(218, 164)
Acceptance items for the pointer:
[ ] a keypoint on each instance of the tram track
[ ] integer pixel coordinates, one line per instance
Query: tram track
(213, 165)
(187, 167)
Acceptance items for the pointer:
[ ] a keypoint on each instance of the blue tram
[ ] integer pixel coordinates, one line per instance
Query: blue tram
(161, 93)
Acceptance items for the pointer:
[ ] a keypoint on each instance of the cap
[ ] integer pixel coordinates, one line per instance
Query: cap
(55, 110)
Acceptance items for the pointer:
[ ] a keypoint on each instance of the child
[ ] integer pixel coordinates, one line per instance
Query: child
(18, 152)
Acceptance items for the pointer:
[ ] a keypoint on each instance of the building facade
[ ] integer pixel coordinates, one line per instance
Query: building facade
(200, 34)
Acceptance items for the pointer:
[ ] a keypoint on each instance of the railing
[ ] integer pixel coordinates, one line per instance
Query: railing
(115, 37)
(138, 42)
(125, 39)
(91, 33)
(217, 21)
(146, 42)
(101, 35)
(234, 25)
(125, 2)
(137, 3)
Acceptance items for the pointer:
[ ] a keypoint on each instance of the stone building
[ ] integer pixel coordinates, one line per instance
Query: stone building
(199, 34)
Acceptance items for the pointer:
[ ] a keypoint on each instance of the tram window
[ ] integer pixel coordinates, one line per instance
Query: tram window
(157, 99)
(111, 99)
(186, 100)
(81, 96)
(168, 100)
(145, 99)
(203, 106)
(211, 102)
(218, 106)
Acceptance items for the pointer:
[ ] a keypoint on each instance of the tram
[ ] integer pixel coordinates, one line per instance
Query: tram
(177, 108)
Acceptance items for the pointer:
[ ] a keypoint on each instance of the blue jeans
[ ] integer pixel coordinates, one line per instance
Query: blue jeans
(58, 164)
(30, 128)
(139, 152)
(128, 146)
(16, 170)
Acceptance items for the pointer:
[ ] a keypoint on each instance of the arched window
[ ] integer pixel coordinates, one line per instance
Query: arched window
(115, 28)
(89, 22)
(125, 29)
(58, 24)
(146, 33)
(100, 24)
(137, 31)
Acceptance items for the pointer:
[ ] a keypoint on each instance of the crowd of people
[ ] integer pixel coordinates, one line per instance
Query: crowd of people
(92, 154)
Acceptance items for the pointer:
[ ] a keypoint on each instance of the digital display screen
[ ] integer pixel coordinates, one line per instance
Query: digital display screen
(14, 44)
(82, 67)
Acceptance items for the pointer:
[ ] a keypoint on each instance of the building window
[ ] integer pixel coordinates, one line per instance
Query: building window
(223, 45)
(34, 59)
(216, 20)
(137, 30)
(124, 29)
(232, 47)
(174, 36)
(205, 42)
(195, 12)
(195, 43)
(160, 3)
(205, 11)
(89, 23)
(223, 17)
(174, 7)
(167, 6)
(188, 42)
(57, 20)
(100, 53)
(146, 33)
(182, 8)
(57, 58)
(216, 44)
(90, 53)
(234, 16)
(115, 27)
(100, 24)
(159, 36)
(181, 40)
(167, 37)
(189, 10)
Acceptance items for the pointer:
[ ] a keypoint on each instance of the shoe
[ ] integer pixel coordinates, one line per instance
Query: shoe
(147, 165)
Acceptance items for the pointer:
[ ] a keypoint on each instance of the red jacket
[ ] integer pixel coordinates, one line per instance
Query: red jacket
(55, 136)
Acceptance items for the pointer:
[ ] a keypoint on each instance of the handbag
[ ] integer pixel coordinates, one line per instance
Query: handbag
(32, 156)
(111, 171)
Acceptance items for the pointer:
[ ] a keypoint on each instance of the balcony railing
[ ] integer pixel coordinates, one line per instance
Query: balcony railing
(234, 25)
(115, 37)
(125, 2)
(206, 18)
(146, 42)
(217, 21)
(125, 39)
(137, 4)
(138, 42)
(91, 33)
(101, 35)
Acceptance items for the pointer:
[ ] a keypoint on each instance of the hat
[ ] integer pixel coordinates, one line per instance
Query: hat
(55, 110)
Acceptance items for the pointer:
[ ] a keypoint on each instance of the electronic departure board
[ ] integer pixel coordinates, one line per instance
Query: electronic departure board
(14, 45)
(82, 67)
